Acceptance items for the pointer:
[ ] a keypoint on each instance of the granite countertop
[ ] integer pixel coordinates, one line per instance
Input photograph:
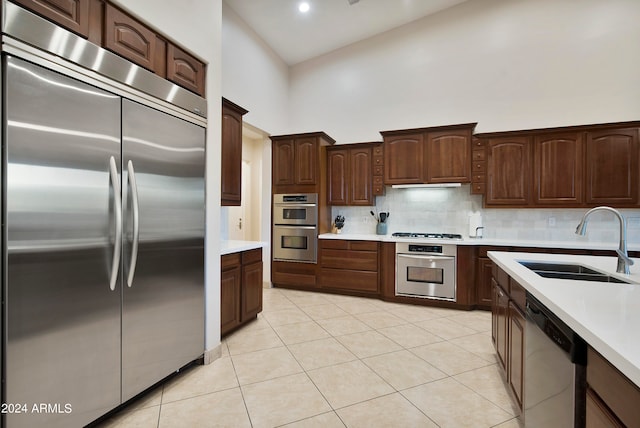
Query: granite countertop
(486, 241)
(233, 246)
(606, 315)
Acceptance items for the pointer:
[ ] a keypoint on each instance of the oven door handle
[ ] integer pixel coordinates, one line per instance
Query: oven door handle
(407, 256)
(281, 226)
(295, 205)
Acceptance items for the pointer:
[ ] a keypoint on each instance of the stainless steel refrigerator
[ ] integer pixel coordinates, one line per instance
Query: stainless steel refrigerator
(103, 245)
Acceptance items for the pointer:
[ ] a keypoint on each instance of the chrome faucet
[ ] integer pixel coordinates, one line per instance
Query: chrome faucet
(623, 257)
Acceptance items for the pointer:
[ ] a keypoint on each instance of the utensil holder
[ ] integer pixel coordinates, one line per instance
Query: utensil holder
(381, 229)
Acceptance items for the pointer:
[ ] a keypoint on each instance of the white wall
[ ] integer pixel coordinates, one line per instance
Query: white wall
(196, 25)
(253, 76)
(506, 64)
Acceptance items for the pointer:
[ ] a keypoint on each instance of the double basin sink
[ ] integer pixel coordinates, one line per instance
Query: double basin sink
(570, 271)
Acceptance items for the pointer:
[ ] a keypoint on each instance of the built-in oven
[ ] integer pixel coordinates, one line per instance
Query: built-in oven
(295, 227)
(296, 209)
(426, 270)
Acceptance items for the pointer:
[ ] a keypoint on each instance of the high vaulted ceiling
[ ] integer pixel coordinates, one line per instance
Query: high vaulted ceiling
(329, 24)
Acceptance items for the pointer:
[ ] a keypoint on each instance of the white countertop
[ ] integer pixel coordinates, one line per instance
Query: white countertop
(486, 241)
(233, 246)
(606, 315)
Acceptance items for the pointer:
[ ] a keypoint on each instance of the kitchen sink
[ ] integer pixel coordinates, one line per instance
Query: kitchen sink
(570, 271)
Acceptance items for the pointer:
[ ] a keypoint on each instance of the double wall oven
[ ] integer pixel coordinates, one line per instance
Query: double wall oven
(426, 269)
(295, 227)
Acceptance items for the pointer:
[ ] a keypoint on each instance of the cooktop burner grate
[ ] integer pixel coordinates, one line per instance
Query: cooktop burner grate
(427, 235)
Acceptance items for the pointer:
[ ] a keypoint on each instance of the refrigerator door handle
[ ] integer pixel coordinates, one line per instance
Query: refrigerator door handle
(113, 170)
(136, 222)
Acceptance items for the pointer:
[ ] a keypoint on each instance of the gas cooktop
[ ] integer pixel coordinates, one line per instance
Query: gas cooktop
(427, 235)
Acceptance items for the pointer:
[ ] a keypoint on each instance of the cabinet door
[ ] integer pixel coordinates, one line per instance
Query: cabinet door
(231, 157)
(483, 285)
(338, 176)
(185, 70)
(306, 161)
(557, 169)
(515, 367)
(283, 158)
(230, 299)
(612, 167)
(447, 157)
(71, 14)
(598, 414)
(403, 159)
(509, 163)
(499, 312)
(360, 192)
(130, 38)
(251, 290)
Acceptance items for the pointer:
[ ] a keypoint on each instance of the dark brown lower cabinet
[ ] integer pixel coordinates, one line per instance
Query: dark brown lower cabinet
(612, 399)
(515, 367)
(508, 329)
(240, 289)
(499, 318)
(350, 266)
(483, 283)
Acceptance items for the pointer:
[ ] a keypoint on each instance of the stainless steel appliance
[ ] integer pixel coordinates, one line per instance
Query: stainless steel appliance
(555, 371)
(426, 270)
(295, 227)
(103, 230)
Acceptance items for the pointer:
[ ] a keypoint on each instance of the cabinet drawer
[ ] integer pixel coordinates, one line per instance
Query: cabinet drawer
(479, 155)
(477, 143)
(229, 261)
(252, 256)
(378, 160)
(339, 244)
(341, 279)
(378, 190)
(363, 246)
(378, 180)
(615, 390)
(378, 170)
(348, 259)
(479, 166)
(478, 178)
(377, 150)
(478, 188)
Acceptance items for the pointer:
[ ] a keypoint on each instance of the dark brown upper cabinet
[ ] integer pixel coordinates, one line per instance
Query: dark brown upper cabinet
(130, 38)
(185, 70)
(70, 14)
(558, 169)
(428, 155)
(299, 162)
(509, 167)
(112, 28)
(577, 166)
(231, 153)
(350, 174)
(612, 167)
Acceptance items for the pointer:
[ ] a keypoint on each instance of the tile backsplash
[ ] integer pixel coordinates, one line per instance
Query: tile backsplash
(446, 210)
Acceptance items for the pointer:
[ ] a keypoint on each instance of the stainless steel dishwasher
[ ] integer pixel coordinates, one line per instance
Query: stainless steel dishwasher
(555, 371)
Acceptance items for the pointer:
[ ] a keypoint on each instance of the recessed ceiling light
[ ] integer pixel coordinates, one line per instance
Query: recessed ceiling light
(304, 7)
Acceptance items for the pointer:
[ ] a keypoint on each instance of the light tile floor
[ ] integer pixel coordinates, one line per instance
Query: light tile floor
(322, 360)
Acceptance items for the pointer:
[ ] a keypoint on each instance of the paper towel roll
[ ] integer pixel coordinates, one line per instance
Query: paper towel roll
(475, 221)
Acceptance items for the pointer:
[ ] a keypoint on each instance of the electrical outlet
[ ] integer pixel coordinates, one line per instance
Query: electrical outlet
(551, 221)
(633, 222)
